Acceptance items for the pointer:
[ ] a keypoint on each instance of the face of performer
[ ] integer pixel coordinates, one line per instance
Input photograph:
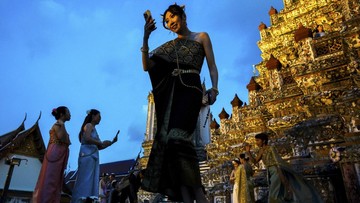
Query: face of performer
(235, 164)
(174, 22)
(259, 142)
(320, 28)
(67, 115)
(97, 118)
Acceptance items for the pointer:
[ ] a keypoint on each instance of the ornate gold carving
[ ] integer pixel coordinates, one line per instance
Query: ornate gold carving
(309, 103)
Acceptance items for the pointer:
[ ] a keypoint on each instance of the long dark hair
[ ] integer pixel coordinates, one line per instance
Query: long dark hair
(176, 10)
(57, 112)
(87, 120)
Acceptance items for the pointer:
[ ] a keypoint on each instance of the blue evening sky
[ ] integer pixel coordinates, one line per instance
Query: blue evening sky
(86, 54)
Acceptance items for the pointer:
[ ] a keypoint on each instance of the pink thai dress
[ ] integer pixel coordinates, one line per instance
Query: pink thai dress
(49, 185)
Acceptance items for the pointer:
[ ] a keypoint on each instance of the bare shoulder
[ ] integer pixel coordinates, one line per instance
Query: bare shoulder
(55, 127)
(88, 126)
(201, 36)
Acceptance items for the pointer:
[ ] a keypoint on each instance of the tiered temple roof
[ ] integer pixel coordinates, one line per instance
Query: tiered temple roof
(25, 142)
(307, 95)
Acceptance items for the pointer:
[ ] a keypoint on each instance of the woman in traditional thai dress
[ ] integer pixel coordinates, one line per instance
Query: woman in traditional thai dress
(174, 69)
(49, 185)
(246, 186)
(285, 185)
(88, 173)
(234, 179)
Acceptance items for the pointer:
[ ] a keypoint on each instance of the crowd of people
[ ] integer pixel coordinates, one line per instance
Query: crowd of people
(241, 178)
(285, 185)
(87, 186)
(174, 69)
(121, 190)
(173, 169)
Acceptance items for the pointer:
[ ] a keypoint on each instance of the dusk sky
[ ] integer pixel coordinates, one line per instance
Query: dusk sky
(86, 54)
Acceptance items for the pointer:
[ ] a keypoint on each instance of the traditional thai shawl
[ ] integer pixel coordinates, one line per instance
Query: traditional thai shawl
(246, 187)
(285, 185)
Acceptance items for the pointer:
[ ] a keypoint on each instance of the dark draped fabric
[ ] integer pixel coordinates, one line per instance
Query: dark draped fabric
(173, 161)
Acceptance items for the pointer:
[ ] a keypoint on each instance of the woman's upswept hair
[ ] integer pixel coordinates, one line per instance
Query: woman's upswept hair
(236, 160)
(176, 10)
(57, 112)
(87, 120)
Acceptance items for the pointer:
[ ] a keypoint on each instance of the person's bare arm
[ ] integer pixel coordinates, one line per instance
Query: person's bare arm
(148, 28)
(232, 175)
(252, 159)
(210, 60)
(88, 128)
(105, 144)
(60, 132)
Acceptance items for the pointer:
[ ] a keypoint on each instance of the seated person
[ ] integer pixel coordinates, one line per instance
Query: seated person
(319, 31)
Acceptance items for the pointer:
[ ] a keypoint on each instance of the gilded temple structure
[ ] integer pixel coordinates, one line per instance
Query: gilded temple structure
(306, 94)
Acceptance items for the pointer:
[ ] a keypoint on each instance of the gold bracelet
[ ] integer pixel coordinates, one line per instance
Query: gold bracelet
(142, 49)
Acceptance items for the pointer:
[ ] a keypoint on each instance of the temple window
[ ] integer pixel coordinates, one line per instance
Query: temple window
(327, 46)
(288, 79)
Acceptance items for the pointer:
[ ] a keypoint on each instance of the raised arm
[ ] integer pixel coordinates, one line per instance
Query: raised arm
(148, 28)
(252, 159)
